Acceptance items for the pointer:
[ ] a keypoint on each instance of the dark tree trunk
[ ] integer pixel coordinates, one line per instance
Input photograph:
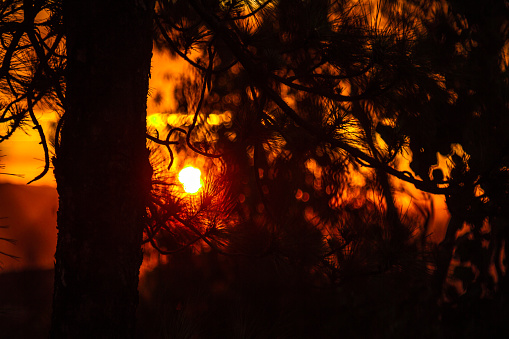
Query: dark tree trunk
(102, 168)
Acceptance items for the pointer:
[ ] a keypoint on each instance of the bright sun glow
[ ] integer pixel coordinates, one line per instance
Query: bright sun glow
(190, 177)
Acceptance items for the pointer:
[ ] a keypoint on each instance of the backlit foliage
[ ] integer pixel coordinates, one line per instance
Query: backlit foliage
(331, 103)
(310, 120)
(32, 58)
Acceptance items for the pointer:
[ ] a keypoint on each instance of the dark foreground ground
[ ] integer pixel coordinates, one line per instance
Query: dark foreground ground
(25, 304)
(204, 304)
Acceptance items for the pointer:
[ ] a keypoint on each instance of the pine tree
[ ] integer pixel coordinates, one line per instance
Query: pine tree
(324, 99)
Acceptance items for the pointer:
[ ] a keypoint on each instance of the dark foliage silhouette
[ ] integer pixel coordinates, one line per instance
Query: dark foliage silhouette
(327, 102)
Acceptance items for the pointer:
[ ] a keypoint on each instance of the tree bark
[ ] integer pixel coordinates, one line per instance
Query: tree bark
(101, 168)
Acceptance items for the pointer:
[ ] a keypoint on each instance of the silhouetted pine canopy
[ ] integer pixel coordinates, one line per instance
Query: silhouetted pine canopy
(326, 93)
(336, 108)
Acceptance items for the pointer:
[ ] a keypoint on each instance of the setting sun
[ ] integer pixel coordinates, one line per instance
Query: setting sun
(190, 177)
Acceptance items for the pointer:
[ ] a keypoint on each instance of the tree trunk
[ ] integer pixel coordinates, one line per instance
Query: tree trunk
(101, 168)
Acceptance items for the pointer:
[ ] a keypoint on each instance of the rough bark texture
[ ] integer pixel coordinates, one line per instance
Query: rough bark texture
(102, 168)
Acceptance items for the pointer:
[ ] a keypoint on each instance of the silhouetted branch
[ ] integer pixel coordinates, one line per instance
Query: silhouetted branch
(259, 77)
(25, 85)
(42, 137)
(153, 242)
(320, 92)
(167, 143)
(206, 82)
(44, 58)
(184, 56)
(6, 62)
(10, 255)
(208, 241)
(252, 13)
(58, 130)
(328, 76)
(11, 241)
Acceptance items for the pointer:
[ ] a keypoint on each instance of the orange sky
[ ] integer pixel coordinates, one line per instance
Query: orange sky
(30, 211)
(23, 154)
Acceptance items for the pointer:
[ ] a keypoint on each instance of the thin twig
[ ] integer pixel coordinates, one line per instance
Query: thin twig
(206, 82)
(252, 13)
(258, 76)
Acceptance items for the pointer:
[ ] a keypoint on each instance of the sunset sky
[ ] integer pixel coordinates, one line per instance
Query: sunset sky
(240, 169)
(24, 155)
(31, 210)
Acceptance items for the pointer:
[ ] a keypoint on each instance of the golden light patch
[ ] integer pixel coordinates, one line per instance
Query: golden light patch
(190, 177)
(156, 120)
